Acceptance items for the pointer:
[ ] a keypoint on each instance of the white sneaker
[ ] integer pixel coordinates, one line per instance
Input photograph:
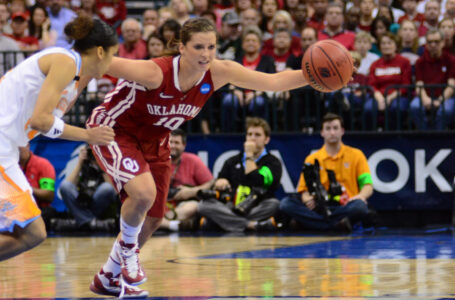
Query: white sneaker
(132, 271)
(107, 284)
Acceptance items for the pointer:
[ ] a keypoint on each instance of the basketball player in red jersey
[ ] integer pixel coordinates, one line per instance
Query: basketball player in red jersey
(156, 97)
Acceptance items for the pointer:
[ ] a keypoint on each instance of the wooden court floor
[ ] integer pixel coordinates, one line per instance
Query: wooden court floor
(342, 267)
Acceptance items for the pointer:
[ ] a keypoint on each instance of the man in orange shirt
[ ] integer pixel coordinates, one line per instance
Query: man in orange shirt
(352, 173)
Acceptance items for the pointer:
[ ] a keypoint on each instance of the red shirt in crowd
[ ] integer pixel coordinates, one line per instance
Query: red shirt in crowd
(418, 19)
(139, 51)
(111, 11)
(384, 73)
(40, 174)
(316, 24)
(435, 70)
(344, 37)
(296, 47)
(191, 171)
(25, 40)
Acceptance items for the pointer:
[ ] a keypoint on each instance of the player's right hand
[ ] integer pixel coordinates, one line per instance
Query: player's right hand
(101, 135)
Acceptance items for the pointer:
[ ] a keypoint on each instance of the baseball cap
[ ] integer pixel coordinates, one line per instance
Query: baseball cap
(231, 18)
(18, 15)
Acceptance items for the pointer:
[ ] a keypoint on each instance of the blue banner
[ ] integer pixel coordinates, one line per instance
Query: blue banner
(409, 171)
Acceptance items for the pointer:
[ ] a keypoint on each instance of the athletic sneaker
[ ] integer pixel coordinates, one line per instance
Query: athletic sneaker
(132, 271)
(108, 285)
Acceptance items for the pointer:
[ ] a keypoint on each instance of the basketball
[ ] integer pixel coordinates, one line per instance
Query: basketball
(327, 66)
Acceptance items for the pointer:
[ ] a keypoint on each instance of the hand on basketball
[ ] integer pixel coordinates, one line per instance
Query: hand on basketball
(101, 135)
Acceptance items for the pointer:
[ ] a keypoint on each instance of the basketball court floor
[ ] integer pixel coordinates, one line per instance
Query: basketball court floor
(388, 265)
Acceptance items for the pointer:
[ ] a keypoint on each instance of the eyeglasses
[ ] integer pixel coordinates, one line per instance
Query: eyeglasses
(433, 41)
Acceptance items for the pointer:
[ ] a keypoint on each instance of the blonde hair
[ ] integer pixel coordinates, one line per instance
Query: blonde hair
(286, 15)
(363, 35)
(188, 4)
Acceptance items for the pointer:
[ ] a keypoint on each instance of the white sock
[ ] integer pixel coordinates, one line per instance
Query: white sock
(129, 233)
(174, 225)
(113, 262)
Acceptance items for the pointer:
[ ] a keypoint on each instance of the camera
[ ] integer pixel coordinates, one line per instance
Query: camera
(255, 196)
(315, 187)
(223, 196)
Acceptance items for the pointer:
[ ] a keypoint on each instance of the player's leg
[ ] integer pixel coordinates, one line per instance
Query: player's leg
(21, 227)
(161, 171)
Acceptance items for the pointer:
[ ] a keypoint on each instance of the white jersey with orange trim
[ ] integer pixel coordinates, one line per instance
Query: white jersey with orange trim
(19, 89)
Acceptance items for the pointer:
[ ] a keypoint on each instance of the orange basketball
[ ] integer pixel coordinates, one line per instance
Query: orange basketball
(327, 66)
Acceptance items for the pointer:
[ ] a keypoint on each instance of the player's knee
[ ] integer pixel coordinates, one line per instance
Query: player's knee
(144, 197)
(33, 239)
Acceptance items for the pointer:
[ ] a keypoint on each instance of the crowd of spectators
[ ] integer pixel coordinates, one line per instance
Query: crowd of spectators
(388, 40)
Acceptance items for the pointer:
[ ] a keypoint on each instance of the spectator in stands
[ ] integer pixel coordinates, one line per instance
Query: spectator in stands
(87, 192)
(434, 67)
(334, 27)
(390, 69)
(300, 16)
(250, 17)
(239, 100)
(182, 9)
(362, 44)
(281, 48)
(366, 15)
(60, 16)
(150, 23)
(282, 20)
(352, 19)
(88, 8)
(396, 13)
(9, 60)
(201, 6)
(447, 27)
(4, 19)
(379, 27)
(210, 15)
(39, 27)
(409, 41)
(19, 25)
(155, 46)
(165, 13)
(450, 9)
(432, 11)
(386, 11)
(268, 9)
(113, 12)
(252, 173)
(317, 20)
(133, 46)
(303, 101)
(411, 13)
(40, 173)
(351, 172)
(229, 41)
(290, 5)
(18, 6)
(170, 31)
(242, 5)
(189, 175)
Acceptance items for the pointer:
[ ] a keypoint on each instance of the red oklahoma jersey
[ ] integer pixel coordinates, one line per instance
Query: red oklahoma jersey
(151, 114)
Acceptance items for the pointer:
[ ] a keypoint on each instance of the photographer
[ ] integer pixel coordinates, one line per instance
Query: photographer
(351, 173)
(253, 175)
(189, 175)
(87, 192)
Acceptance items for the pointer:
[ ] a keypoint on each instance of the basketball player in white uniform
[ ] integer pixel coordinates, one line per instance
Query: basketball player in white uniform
(33, 98)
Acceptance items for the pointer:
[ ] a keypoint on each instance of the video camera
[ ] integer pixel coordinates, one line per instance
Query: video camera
(223, 196)
(313, 181)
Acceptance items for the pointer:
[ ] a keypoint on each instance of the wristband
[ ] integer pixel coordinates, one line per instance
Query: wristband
(56, 129)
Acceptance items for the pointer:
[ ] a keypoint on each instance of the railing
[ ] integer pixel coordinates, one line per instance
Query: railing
(299, 110)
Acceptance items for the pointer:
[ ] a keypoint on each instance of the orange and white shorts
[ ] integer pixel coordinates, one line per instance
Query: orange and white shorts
(17, 206)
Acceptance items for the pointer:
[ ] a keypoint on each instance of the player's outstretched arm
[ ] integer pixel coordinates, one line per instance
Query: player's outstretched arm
(226, 71)
(59, 70)
(145, 72)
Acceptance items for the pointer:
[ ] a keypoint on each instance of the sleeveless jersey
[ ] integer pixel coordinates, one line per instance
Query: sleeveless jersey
(19, 89)
(149, 115)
